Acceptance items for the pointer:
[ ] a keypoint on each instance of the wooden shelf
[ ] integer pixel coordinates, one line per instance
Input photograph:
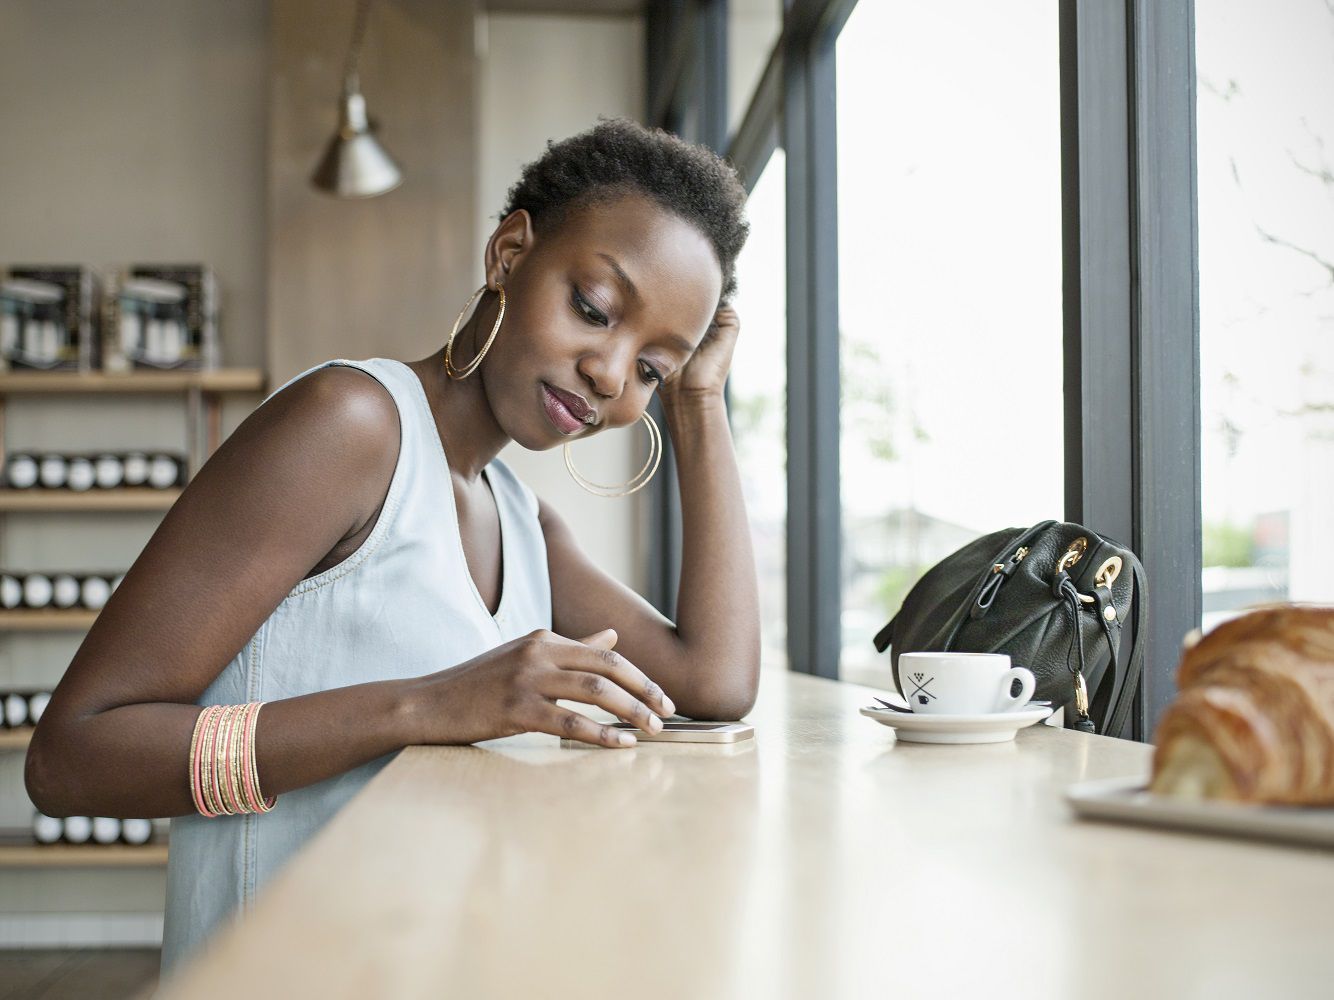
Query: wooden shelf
(202, 393)
(31, 855)
(218, 380)
(46, 620)
(15, 739)
(54, 501)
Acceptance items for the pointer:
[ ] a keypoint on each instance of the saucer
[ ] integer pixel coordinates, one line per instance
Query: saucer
(997, 727)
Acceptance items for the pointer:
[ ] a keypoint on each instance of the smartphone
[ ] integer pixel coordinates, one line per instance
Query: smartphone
(684, 731)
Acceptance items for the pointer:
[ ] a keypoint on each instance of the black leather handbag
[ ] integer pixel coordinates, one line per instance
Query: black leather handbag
(1063, 601)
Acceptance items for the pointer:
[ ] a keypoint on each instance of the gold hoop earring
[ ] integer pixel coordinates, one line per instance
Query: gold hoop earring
(640, 479)
(458, 373)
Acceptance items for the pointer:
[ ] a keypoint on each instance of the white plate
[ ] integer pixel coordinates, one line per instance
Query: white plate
(998, 727)
(1127, 800)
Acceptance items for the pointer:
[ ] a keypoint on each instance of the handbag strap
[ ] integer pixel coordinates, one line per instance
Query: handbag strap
(1063, 588)
(1125, 697)
(1125, 672)
(1109, 692)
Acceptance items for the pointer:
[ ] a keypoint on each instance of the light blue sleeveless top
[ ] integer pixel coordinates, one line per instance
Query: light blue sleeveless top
(402, 605)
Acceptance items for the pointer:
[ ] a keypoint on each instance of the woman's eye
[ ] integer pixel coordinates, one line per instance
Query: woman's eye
(649, 374)
(590, 312)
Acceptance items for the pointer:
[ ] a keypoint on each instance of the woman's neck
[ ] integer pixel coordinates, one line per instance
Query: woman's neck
(463, 417)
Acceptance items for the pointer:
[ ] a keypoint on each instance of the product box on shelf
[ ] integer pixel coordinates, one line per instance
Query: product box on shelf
(49, 318)
(161, 316)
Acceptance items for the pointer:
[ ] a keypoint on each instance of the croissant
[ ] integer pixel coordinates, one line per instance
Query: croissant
(1254, 720)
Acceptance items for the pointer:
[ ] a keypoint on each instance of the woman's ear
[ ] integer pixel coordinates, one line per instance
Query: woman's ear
(507, 246)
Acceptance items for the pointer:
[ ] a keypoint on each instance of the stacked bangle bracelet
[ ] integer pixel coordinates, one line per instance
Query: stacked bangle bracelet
(224, 778)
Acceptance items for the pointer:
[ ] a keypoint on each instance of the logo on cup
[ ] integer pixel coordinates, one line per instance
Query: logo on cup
(919, 690)
(954, 683)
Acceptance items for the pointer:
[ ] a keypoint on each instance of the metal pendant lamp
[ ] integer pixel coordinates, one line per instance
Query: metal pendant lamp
(354, 164)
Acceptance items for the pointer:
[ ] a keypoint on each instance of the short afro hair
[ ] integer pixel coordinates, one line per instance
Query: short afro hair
(618, 156)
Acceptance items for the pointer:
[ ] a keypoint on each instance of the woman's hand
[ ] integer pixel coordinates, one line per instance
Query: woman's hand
(513, 689)
(705, 374)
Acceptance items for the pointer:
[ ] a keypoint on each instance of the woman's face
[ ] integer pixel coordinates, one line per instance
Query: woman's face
(597, 311)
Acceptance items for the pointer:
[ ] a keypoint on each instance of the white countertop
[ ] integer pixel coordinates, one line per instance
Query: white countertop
(824, 860)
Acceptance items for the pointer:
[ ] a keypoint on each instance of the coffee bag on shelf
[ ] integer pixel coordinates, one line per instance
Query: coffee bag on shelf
(161, 316)
(49, 318)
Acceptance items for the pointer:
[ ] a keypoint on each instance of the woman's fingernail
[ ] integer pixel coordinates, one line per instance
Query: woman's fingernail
(668, 706)
(626, 740)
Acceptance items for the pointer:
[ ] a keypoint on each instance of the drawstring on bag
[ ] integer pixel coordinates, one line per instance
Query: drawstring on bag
(1063, 588)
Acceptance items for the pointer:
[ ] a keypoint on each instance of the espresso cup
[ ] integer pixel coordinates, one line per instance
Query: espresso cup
(963, 683)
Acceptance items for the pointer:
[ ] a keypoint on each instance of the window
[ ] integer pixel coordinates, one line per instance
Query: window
(949, 290)
(757, 389)
(1266, 211)
(928, 149)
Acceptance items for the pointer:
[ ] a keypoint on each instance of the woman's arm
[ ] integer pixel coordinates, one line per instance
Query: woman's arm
(709, 660)
(298, 484)
(307, 469)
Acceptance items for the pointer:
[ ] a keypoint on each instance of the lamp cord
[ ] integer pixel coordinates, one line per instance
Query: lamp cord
(350, 81)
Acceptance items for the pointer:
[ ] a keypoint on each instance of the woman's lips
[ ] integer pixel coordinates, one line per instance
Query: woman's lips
(559, 413)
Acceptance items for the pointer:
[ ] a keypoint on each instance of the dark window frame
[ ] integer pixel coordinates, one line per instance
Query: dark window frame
(1130, 303)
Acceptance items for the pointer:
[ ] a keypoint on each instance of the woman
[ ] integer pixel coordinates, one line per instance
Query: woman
(357, 560)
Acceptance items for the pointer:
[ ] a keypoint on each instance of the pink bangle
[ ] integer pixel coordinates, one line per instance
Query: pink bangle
(209, 753)
(262, 804)
(250, 770)
(248, 760)
(235, 743)
(213, 761)
(222, 768)
(196, 778)
(224, 774)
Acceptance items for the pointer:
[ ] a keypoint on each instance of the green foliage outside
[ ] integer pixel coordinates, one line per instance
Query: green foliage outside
(1228, 544)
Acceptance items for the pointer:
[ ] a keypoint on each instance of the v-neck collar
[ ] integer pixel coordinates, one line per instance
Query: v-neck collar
(501, 505)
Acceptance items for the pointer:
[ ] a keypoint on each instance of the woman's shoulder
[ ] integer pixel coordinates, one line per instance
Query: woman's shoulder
(346, 394)
(340, 415)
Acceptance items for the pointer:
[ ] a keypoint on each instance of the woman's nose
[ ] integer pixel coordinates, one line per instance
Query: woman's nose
(605, 374)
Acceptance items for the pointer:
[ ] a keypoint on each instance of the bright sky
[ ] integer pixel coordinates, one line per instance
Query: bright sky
(1267, 312)
(950, 255)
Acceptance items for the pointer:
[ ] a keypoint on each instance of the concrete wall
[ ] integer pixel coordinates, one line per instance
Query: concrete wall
(378, 277)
